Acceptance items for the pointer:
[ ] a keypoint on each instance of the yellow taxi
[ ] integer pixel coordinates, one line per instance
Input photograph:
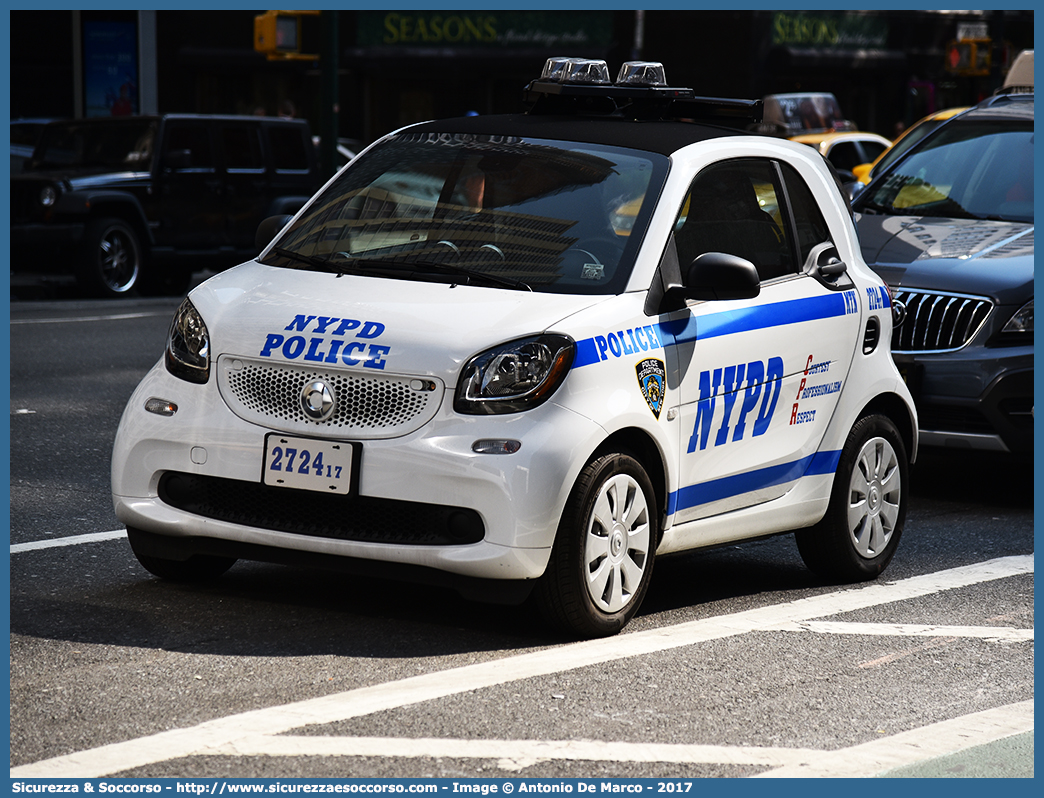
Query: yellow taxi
(907, 139)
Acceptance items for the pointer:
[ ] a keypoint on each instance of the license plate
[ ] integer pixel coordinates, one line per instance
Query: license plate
(309, 464)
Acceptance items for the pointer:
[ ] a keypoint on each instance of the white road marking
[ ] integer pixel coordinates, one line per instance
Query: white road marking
(867, 759)
(113, 317)
(72, 540)
(916, 745)
(910, 630)
(218, 734)
(512, 755)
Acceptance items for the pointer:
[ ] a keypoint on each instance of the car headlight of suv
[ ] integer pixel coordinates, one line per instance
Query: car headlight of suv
(188, 345)
(515, 376)
(1021, 322)
(48, 196)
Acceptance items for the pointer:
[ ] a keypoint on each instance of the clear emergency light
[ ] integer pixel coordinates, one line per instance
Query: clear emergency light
(582, 86)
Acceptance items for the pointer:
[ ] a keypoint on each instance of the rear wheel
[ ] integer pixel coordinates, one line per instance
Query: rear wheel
(860, 532)
(192, 568)
(112, 258)
(602, 560)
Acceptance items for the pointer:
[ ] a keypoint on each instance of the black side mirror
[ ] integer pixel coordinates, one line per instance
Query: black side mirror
(268, 229)
(715, 275)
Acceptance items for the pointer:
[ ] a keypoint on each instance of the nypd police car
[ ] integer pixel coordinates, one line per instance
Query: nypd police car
(526, 355)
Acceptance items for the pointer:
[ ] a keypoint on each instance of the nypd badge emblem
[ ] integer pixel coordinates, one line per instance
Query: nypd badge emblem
(652, 379)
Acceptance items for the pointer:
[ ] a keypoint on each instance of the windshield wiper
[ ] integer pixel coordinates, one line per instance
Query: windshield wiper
(313, 260)
(376, 264)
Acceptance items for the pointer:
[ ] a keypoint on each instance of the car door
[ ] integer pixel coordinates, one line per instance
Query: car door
(247, 193)
(759, 377)
(189, 189)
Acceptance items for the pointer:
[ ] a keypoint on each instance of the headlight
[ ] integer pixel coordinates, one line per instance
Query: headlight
(515, 376)
(188, 345)
(1021, 322)
(48, 196)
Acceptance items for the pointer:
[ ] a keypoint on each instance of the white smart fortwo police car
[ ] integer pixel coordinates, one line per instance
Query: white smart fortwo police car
(526, 355)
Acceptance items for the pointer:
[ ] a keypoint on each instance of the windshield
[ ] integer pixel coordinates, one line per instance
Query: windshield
(969, 170)
(119, 145)
(532, 214)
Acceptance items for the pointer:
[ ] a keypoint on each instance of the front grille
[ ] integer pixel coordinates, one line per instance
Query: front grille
(303, 512)
(938, 322)
(365, 406)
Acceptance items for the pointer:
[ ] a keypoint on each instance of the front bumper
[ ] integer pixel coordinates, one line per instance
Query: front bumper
(977, 398)
(517, 499)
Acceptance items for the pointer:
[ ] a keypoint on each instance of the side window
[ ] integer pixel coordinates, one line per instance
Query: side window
(241, 148)
(188, 147)
(808, 219)
(846, 155)
(288, 148)
(871, 149)
(734, 207)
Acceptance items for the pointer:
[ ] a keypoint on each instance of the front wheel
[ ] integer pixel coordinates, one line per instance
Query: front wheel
(860, 532)
(112, 258)
(602, 560)
(192, 568)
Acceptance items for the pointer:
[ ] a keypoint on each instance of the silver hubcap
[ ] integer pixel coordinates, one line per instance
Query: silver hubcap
(117, 262)
(616, 547)
(874, 494)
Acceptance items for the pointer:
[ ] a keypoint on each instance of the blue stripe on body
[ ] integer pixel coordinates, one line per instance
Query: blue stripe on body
(731, 322)
(762, 317)
(737, 484)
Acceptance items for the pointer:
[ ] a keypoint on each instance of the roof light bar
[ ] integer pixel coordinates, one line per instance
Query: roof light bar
(641, 73)
(582, 86)
(585, 71)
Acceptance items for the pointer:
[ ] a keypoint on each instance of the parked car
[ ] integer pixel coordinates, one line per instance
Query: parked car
(798, 113)
(141, 202)
(950, 227)
(456, 366)
(815, 119)
(24, 135)
(1020, 76)
(848, 150)
(865, 171)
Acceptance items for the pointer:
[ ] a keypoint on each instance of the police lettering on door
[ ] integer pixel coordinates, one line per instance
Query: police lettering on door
(762, 382)
(329, 339)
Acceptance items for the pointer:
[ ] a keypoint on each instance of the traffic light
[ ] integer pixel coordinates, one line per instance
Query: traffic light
(277, 34)
(969, 57)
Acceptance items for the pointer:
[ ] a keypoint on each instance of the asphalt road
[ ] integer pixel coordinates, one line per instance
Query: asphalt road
(740, 663)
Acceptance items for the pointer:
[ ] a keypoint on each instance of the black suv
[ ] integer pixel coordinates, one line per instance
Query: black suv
(142, 202)
(949, 225)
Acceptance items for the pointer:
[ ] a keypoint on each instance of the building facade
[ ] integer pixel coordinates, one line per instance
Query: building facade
(397, 67)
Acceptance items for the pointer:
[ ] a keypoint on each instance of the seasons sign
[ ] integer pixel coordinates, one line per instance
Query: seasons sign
(514, 29)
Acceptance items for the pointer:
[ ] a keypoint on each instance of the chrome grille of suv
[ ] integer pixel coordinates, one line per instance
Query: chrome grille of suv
(365, 406)
(938, 322)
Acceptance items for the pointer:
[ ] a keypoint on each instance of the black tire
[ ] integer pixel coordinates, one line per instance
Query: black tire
(112, 258)
(860, 532)
(192, 568)
(602, 560)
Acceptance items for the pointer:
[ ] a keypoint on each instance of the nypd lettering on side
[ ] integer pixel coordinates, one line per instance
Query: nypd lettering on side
(329, 339)
(758, 382)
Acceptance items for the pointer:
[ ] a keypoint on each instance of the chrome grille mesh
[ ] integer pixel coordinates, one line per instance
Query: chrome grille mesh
(365, 406)
(938, 322)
